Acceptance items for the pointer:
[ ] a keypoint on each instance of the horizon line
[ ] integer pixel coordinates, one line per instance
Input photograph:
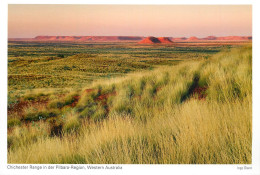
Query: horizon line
(133, 36)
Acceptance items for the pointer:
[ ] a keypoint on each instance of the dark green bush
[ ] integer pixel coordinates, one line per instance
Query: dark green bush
(88, 111)
(13, 122)
(41, 115)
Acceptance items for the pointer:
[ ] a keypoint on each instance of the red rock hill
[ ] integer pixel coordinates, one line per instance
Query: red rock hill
(193, 38)
(148, 40)
(164, 40)
(154, 40)
(88, 38)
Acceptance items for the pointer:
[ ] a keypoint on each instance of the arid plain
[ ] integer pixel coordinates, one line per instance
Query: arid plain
(130, 100)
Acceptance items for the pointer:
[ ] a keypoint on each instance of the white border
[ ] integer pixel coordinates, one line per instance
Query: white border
(3, 85)
(137, 169)
(126, 2)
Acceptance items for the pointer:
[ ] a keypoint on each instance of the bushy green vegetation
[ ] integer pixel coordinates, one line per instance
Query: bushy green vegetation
(196, 112)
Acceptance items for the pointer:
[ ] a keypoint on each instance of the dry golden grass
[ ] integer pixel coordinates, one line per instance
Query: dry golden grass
(156, 117)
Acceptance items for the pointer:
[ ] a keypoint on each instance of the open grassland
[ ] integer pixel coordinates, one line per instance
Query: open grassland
(198, 111)
(58, 65)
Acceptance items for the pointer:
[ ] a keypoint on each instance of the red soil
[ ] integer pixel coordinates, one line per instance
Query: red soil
(18, 107)
(200, 92)
(102, 97)
(21, 105)
(105, 96)
(76, 99)
(88, 90)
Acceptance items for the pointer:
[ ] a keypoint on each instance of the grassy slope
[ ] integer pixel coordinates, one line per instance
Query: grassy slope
(196, 112)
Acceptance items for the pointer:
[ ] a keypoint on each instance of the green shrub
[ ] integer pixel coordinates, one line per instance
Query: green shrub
(40, 115)
(33, 96)
(67, 68)
(69, 99)
(84, 102)
(13, 122)
(96, 93)
(56, 104)
(88, 111)
(60, 56)
(56, 125)
(29, 97)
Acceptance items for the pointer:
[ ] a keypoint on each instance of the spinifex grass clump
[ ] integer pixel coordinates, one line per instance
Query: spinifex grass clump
(71, 123)
(13, 122)
(40, 115)
(56, 104)
(198, 112)
(60, 102)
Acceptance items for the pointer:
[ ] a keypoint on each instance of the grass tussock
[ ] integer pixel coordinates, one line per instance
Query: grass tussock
(199, 112)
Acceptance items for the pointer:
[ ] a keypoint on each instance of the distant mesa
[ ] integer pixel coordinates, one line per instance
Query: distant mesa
(229, 38)
(139, 39)
(88, 38)
(210, 38)
(154, 40)
(179, 39)
(130, 38)
(164, 40)
(235, 38)
(193, 38)
(150, 40)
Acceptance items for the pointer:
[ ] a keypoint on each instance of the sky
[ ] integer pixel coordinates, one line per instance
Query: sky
(28, 21)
